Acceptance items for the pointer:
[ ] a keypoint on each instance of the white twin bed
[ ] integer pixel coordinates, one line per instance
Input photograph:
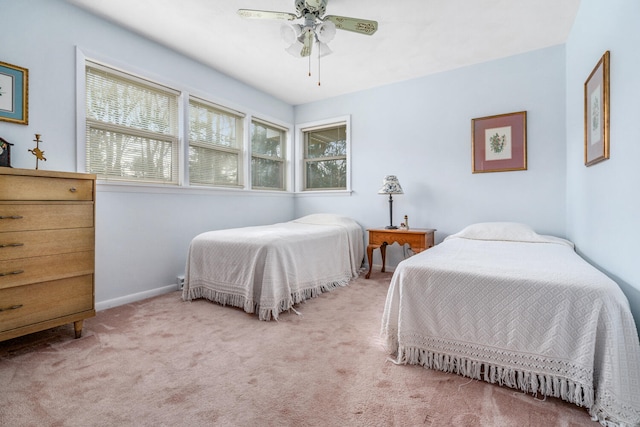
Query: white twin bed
(267, 269)
(500, 303)
(495, 302)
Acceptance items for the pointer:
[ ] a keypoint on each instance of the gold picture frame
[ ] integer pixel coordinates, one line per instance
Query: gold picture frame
(499, 143)
(14, 94)
(596, 113)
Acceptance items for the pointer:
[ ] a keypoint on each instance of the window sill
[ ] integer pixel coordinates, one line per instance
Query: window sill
(127, 187)
(331, 193)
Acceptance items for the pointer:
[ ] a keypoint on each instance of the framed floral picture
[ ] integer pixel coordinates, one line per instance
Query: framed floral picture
(499, 143)
(596, 113)
(14, 94)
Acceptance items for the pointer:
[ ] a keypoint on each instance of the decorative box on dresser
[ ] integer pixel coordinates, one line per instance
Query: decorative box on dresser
(47, 250)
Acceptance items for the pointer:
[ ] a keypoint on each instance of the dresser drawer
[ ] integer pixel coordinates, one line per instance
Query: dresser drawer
(23, 271)
(58, 298)
(27, 216)
(14, 187)
(25, 244)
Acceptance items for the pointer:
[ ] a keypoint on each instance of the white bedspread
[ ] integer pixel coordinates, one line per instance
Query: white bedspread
(532, 316)
(268, 269)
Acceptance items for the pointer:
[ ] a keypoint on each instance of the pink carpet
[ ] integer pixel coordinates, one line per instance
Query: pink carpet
(165, 362)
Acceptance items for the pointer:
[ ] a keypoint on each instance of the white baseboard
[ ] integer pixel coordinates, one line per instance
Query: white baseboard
(103, 305)
(115, 302)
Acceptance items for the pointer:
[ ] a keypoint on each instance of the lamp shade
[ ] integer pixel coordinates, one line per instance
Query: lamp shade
(295, 49)
(290, 33)
(326, 31)
(323, 49)
(390, 185)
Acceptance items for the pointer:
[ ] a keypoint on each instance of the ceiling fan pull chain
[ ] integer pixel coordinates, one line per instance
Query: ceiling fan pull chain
(318, 67)
(309, 65)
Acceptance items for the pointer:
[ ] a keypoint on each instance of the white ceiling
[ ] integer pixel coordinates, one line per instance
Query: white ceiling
(414, 38)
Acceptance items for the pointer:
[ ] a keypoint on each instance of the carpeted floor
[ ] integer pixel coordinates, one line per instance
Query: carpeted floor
(164, 362)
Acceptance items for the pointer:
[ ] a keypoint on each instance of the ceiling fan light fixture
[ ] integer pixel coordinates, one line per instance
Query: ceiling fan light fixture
(290, 33)
(326, 31)
(295, 49)
(323, 49)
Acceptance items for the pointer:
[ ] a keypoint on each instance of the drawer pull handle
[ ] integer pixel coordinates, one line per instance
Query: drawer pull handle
(12, 272)
(73, 189)
(11, 217)
(13, 307)
(11, 245)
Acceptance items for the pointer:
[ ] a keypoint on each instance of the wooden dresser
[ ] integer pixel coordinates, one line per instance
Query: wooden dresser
(47, 250)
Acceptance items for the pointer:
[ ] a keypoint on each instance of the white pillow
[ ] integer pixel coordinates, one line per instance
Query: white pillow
(324, 218)
(509, 231)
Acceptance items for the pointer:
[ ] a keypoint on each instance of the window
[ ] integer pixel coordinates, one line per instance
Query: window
(141, 131)
(325, 162)
(132, 127)
(268, 166)
(215, 145)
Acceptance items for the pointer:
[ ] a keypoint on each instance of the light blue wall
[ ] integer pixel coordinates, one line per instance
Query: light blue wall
(603, 202)
(420, 130)
(141, 238)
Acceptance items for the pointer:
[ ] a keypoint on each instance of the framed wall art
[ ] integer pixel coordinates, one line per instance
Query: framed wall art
(596, 113)
(499, 143)
(14, 94)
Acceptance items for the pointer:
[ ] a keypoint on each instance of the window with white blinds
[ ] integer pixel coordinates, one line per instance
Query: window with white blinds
(132, 127)
(325, 157)
(268, 166)
(215, 145)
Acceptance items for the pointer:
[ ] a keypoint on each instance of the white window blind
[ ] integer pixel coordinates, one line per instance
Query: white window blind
(268, 166)
(132, 127)
(325, 158)
(215, 148)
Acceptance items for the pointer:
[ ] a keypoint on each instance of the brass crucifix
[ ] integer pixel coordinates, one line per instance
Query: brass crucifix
(37, 151)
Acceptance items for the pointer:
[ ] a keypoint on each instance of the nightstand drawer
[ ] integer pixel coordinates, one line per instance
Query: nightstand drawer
(44, 188)
(58, 298)
(414, 239)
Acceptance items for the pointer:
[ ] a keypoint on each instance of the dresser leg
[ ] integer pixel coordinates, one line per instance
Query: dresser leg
(77, 326)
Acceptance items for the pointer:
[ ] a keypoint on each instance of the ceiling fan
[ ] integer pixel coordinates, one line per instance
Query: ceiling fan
(316, 27)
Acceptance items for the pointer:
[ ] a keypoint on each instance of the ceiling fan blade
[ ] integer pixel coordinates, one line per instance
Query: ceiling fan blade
(266, 14)
(362, 26)
(307, 43)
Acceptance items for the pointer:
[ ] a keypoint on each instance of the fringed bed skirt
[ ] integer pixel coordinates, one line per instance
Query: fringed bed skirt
(529, 382)
(251, 306)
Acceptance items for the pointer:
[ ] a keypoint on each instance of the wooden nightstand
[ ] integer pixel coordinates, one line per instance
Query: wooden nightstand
(417, 239)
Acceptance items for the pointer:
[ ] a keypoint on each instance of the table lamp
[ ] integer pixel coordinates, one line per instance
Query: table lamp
(390, 186)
